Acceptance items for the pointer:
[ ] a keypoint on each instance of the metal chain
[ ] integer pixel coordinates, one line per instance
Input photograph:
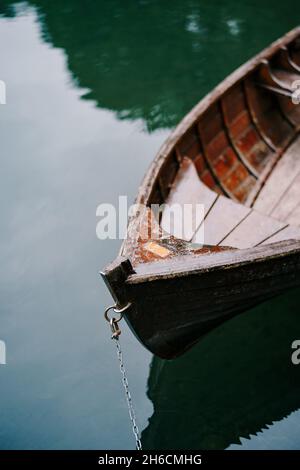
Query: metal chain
(114, 326)
(125, 383)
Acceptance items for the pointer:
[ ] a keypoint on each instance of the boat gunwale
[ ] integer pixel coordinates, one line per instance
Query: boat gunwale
(186, 265)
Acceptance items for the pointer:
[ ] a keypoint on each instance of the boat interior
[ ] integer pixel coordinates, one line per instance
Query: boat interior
(241, 160)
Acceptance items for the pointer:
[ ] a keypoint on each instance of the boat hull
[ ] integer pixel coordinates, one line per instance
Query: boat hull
(172, 311)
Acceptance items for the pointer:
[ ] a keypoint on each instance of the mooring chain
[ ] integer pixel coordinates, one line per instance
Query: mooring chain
(135, 428)
(115, 336)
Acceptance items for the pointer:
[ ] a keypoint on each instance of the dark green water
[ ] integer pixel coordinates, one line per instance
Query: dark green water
(92, 91)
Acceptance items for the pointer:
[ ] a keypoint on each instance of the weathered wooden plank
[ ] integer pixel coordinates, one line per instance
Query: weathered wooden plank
(185, 265)
(278, 77)
(187, 141)
(222, 157)
(290, 110)
(210, 124)
(268, 77)
(167, 174)
(187, 189)
(279, 180)
(283, 60)
(286, 78)
(114, 276)
(294, 59)
(288, 233)
(289, 200)
(254, 229)
(221, 219)
(274, 129)
(294, 217)
(251, 149)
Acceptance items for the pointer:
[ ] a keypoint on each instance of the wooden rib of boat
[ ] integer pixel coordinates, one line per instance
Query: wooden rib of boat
(238, 154)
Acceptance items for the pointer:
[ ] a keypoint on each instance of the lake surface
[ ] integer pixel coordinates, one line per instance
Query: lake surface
(93, 89)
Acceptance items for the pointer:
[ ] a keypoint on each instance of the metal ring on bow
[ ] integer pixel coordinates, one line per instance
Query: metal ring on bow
(118, 310)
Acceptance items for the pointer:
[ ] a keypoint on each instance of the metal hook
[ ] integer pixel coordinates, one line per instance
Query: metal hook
(114, 328)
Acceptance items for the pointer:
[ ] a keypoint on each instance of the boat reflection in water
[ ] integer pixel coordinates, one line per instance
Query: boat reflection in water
(235, 382)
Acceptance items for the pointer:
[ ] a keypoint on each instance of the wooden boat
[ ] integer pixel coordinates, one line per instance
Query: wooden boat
(238, 154)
